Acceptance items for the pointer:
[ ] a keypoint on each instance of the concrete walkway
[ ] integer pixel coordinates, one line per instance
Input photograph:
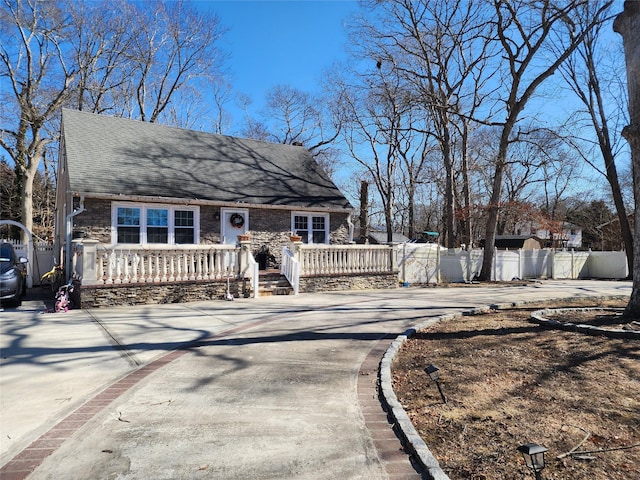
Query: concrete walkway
(269, 388)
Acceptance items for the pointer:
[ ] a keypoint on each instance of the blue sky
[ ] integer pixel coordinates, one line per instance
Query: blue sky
(281, 42)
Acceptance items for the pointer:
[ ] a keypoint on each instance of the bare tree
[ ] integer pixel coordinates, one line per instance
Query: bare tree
(130, 63)
(294, 117)
(174, 44)
(627, 24)
(586, 74)
(40, 79)
(441, 49)
(378, 132)
(535, 39)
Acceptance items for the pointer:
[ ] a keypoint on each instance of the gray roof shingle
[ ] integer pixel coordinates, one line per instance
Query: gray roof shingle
(109, 155)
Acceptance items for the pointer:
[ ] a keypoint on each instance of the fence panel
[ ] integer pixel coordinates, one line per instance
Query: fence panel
(507, 266)
(608, 265)
(536, 263)
(418, 263)
(43, 258)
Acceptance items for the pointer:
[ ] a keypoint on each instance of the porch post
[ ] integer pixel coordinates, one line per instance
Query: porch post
(294, 246)
(393, 248)
(87, 268)
(243, 257)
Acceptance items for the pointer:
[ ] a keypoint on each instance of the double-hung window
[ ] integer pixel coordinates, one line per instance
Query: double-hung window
(184, 226)
(312, 227)
(128, 225)
(142, 224)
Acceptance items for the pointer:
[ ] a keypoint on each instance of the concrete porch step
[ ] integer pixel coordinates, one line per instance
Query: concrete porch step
(273, 283)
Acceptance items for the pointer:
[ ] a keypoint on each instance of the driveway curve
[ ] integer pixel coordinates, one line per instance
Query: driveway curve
(269, 388)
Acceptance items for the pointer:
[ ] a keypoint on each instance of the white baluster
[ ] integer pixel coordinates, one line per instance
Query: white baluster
(198, 259)
(163, 262)
(156, 267)
(100, 270)
(172, 266)
(135, 263)
(111, 265)
(126, 278)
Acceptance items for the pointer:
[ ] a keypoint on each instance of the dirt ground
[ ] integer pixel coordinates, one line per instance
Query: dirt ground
(508, 382)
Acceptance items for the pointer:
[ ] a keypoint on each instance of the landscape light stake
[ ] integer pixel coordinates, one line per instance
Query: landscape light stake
(432, 371)
(533, 457)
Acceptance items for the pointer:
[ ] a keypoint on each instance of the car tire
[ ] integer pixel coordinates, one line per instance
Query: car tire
(13, 303)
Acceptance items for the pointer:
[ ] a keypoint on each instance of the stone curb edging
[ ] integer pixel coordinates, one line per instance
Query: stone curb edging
(539, 318)
(406, 430)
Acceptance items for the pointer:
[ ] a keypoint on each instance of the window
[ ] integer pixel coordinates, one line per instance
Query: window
(128, 225)
(155, 224)
(184, 226)
(313, 228)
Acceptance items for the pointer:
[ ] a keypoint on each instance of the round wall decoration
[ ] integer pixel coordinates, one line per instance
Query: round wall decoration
(236, 220)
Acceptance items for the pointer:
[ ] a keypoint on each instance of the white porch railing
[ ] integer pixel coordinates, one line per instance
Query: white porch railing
(303, 260)
(252, 272)
(346, 259)
(290, 268)
(158, 264)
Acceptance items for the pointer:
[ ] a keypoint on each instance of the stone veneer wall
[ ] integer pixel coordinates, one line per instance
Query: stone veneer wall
(331, 283)
(159, 293)
(271, 229)
(95, 221)
(267, 227)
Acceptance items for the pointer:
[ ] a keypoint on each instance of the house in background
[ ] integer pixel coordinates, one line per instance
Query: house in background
(551, 233)
(565, 235)
(378, 236)
(125, 182)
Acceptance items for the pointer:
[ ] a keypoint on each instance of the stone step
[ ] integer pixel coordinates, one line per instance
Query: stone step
(273, 284)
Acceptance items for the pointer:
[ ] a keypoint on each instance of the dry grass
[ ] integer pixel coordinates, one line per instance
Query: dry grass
(510, 382)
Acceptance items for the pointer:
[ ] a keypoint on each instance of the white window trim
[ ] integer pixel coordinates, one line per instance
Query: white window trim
(310, 215)
(143, 220)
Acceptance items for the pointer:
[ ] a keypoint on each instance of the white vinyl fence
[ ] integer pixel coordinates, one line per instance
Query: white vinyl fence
(43, 258)
(429, 263)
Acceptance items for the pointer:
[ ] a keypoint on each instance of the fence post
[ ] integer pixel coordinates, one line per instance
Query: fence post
(394, 258)
(88, 261)
(520, 264)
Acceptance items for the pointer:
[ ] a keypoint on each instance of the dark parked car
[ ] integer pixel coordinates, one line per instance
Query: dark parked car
(13, 276)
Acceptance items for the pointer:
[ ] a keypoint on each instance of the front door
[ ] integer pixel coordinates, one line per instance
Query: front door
(234, 222)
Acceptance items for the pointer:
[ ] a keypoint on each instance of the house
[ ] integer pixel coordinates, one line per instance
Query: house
(126, 182)
(147, 213)
(378, 236)
(562, 235)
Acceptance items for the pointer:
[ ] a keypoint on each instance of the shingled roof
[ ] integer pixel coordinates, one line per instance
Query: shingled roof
(116, 156)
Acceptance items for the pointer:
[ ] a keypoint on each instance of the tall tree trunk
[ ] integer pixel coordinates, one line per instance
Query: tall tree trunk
(625, 228)
(627, 24)
(364, 211)
(466, 191)
(494, 202)
(411, 194)
(449, 199)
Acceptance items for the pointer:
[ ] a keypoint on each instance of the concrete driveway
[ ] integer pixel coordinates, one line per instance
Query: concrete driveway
(268, 388)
